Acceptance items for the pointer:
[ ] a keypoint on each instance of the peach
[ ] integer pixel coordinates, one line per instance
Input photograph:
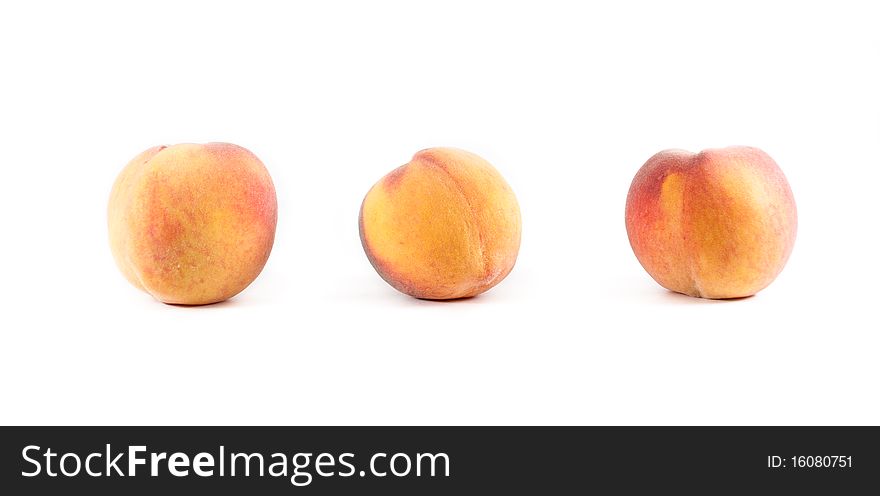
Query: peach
(192, 224)
(717, 224)
(446, 225)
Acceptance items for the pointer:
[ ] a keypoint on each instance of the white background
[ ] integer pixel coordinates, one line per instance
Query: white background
(566, 99)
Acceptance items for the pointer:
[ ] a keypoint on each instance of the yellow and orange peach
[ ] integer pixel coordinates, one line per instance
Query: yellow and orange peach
(717, 224)
(444, 226)
(192, 224)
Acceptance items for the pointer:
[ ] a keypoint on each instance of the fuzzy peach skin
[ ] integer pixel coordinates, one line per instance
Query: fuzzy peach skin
(446, 225)
(192, 224)
(717, 224)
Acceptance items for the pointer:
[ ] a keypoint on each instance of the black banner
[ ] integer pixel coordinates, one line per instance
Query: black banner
(439, 460)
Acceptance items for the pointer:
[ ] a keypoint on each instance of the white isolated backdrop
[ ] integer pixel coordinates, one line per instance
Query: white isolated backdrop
(566, 99)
